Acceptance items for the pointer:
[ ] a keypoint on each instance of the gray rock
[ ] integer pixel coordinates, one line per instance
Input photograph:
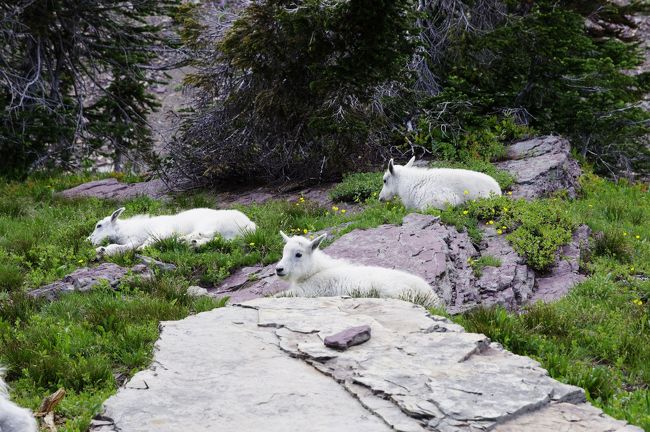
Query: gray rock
(266, 369)
(250, 282)
(154, 263)
(424, 246)
(112, 189)
(511, 284)
(557, 417)
(541, 166)
(348, 337)
(86, 278)
(196, 291)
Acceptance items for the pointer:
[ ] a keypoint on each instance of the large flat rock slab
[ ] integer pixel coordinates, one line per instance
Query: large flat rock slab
(262, 365)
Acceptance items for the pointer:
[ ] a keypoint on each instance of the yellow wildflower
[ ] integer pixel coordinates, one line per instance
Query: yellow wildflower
(80, 261)
(465, 212)
(631, 268)
(305, 231)
(491, 222)
(504, 227)
(624, 233)
(637, 302)
(251, 244)
(335, 208)
(302, 199)
(509, 192)
(343, 210)
(590, 205)
(505, 209)
(374, 194)
(637, 236)
(466, 192)
(499, 232)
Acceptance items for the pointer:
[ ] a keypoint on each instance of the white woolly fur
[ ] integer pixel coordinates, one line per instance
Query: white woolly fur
(12, 417)
(313, 273)
(196, 226)
(421, 188)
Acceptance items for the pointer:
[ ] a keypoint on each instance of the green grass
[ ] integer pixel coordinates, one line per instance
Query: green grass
(484, 261)
(597, 337)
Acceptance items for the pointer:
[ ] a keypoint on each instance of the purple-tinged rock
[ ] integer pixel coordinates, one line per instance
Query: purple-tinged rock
(110, 188)
(348, 337)
(541, 166)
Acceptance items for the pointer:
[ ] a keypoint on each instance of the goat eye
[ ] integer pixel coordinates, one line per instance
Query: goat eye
(99, 226)
(384, 181)
(298, 254)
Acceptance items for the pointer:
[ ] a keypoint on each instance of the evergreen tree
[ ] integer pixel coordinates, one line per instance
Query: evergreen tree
(52, 52)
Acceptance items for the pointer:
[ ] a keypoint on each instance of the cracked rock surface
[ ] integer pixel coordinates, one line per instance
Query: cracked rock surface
(262, 365)
(424, 246)
(542, 165)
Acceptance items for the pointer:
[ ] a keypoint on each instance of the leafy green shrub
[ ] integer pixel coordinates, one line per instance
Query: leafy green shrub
(535, 229)
(456, 133)
(357, 187)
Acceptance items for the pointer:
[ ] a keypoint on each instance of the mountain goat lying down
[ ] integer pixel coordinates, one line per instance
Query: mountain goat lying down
(312, 273)
(12, 417)
(420, 188)
(196, 227)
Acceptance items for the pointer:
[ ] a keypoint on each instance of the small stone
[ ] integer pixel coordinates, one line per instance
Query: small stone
(150, 262)
(196, 291)
(348, 337)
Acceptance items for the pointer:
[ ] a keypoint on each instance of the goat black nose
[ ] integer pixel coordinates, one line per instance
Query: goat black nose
(278, 270)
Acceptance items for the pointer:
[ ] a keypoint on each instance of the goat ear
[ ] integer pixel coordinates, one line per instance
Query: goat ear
(284, 236)
(117, 214)
(317, 241)
(391, 167)
(410, 162)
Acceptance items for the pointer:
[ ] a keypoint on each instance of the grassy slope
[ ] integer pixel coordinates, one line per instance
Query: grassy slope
(597, 337)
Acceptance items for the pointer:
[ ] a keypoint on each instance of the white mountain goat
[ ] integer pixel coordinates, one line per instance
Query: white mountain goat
(312, 273)
(12, 417)
(196, 226)
(420, 188)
